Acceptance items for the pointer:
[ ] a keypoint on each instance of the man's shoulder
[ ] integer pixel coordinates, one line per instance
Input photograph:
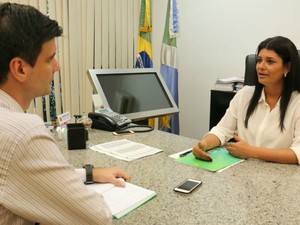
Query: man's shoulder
(19, 122)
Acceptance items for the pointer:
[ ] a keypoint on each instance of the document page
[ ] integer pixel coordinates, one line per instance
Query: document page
(125, 149)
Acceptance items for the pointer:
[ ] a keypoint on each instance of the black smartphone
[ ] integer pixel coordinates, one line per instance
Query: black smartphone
(187, 186)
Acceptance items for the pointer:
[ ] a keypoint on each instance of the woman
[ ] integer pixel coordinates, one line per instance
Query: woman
(263, 119)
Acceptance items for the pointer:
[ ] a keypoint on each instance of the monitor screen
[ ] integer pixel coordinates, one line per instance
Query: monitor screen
(137, 93)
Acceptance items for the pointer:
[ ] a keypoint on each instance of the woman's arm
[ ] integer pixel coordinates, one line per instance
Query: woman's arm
(242, 149)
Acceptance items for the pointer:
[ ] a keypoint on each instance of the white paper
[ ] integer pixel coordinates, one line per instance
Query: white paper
(122, 200)
(229, 80)
(125, 149)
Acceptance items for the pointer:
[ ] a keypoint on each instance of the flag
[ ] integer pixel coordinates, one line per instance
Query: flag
(169, 64)
(144, 57)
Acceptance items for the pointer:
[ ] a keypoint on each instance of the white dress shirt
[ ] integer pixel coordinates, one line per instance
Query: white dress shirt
(263, 125)
(37, 184)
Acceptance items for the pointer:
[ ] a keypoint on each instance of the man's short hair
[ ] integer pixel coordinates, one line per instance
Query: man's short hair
(23, 30)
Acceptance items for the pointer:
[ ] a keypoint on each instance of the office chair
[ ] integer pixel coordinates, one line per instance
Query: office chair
(250, 70)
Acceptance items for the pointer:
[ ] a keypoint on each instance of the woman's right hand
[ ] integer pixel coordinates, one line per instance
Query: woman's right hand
(199, 151)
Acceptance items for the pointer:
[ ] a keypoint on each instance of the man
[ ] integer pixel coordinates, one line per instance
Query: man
(36, 183)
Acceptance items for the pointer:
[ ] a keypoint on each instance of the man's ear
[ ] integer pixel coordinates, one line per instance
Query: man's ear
(17, 69)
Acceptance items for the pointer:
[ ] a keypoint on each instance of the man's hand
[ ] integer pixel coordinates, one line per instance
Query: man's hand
(110, 175)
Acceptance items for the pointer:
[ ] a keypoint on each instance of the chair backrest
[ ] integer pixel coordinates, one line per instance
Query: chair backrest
(250, 70)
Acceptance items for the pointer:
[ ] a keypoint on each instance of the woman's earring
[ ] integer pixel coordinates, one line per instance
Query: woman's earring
(284, 74)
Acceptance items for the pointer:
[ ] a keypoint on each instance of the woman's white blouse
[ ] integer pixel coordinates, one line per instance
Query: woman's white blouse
(263, 125)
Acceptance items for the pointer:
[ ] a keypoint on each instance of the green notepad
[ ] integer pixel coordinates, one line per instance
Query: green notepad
(221, 159)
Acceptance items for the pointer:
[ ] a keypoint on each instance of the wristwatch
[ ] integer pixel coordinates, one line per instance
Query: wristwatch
(89, 173)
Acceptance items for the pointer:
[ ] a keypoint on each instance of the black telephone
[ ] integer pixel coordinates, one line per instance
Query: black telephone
(106, 119)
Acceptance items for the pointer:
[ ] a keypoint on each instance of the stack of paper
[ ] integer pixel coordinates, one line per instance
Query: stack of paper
(122, 201)
(229, 84)
(125, 149)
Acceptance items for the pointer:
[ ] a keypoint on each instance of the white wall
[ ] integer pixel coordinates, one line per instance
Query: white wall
(215, 37)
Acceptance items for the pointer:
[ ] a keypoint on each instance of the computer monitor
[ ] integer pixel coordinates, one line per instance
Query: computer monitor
(136, 93)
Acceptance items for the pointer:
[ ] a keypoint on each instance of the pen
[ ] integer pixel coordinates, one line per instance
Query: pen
(185, 153)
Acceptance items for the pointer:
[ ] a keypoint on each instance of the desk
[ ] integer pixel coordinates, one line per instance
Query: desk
(252, 192)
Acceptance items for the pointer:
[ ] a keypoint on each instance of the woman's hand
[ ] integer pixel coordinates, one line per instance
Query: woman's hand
(110, 175)
(199, 151)
(239, 149)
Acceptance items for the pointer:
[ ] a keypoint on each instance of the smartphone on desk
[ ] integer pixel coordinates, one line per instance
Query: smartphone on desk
(187, 186)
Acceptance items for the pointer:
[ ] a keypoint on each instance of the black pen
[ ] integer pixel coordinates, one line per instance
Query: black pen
(185, 153)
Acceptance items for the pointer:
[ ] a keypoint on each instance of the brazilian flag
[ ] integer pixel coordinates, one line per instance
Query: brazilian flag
(144, 57)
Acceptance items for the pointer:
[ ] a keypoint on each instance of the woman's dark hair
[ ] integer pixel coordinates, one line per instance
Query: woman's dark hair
(23, 30)
(287, 51)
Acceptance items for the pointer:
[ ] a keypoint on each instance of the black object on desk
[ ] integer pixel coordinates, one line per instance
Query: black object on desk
(76, 136)
(219, 102)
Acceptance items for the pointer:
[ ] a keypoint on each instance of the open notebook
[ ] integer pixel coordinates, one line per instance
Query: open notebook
(122, 201)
